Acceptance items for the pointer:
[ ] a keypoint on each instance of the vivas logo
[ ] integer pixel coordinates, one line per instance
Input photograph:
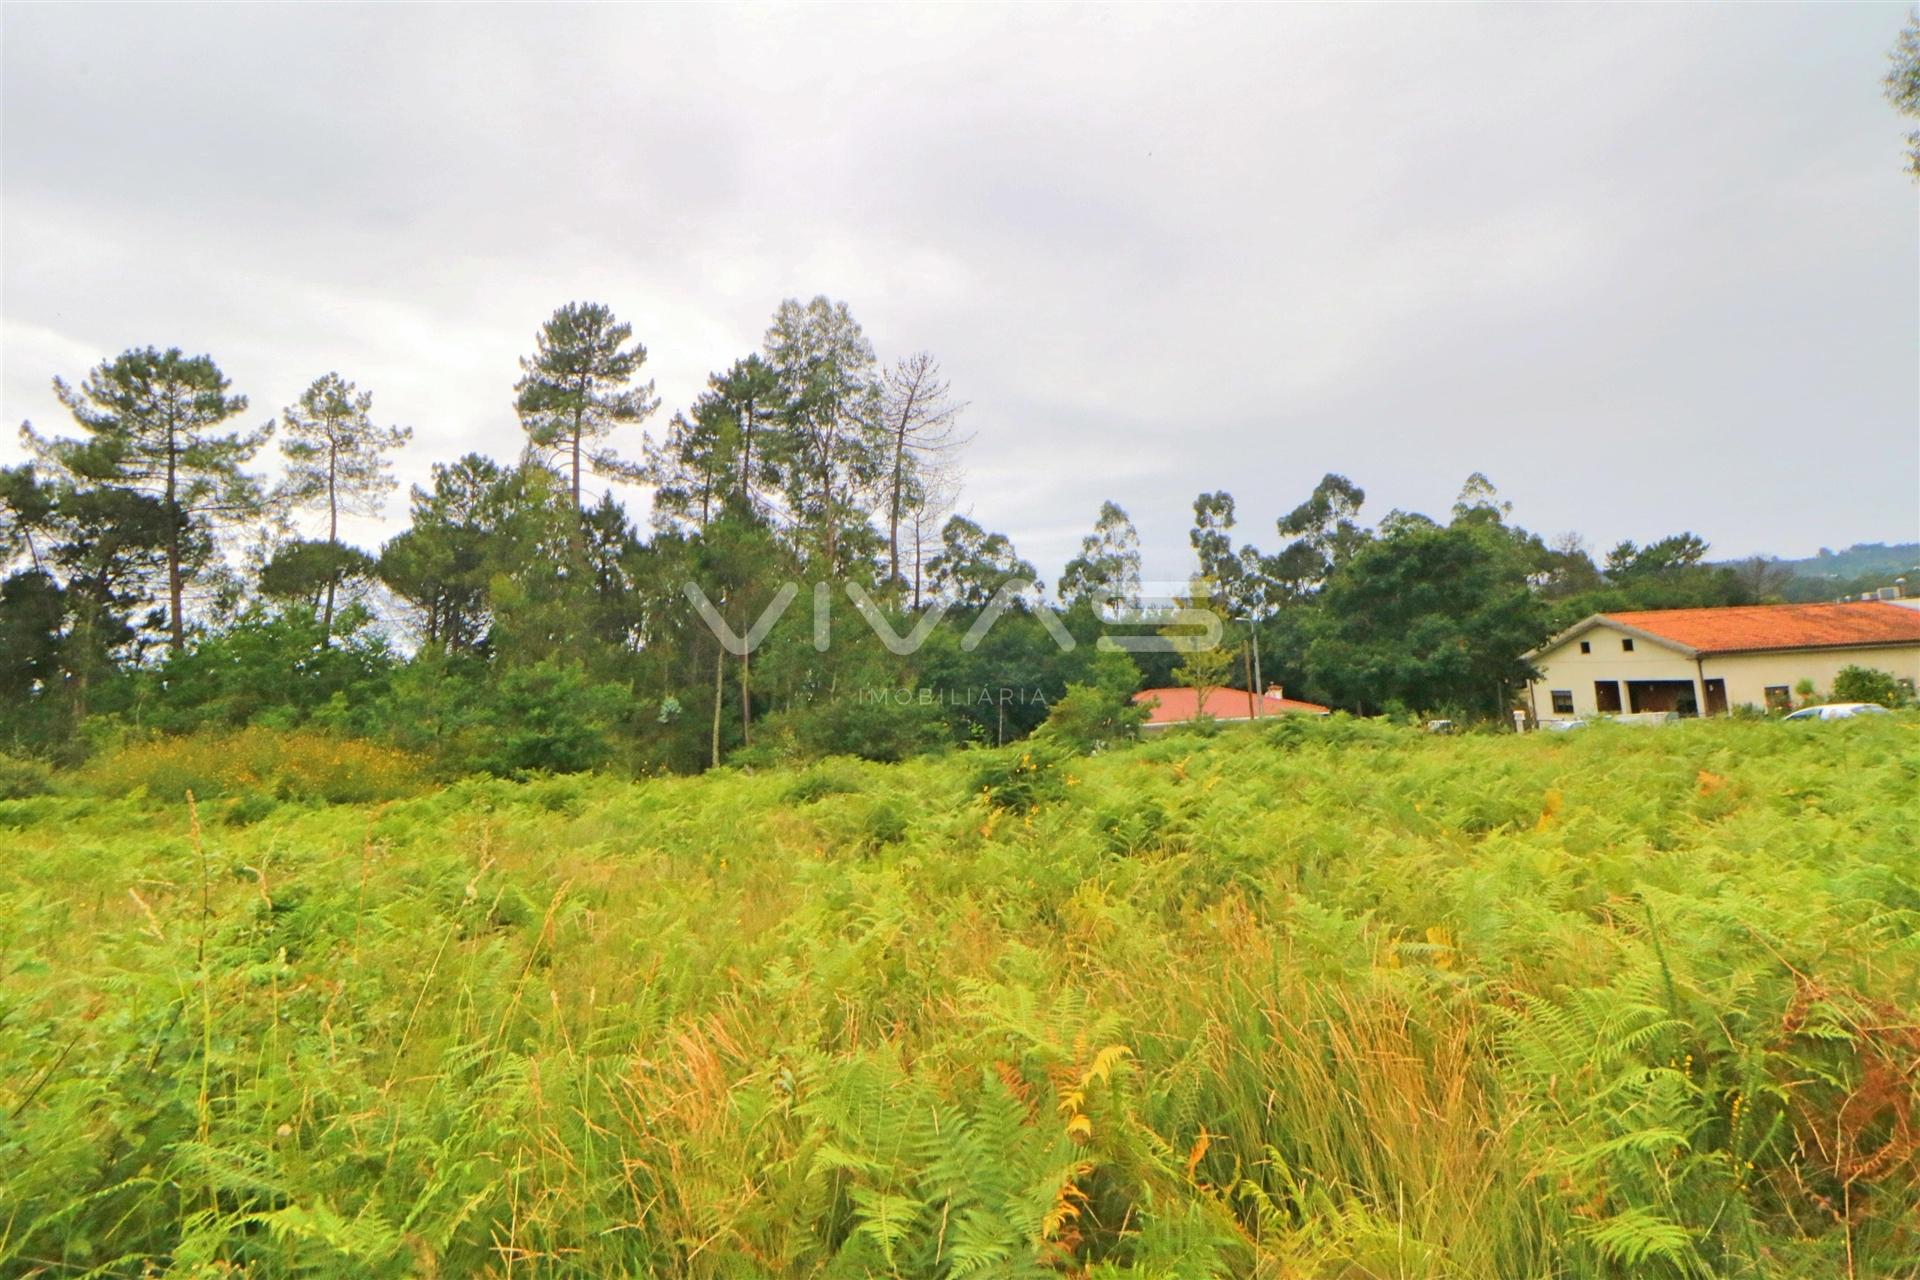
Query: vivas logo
(1166, 618)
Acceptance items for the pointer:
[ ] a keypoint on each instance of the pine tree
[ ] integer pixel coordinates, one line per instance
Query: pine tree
(749, 391)
(337, 458)
(149, 418)
(575, 389)
(441, 563)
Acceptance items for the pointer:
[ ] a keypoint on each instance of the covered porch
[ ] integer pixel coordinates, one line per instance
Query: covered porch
(1683, 697)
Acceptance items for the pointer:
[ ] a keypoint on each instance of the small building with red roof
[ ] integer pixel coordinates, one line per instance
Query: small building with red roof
(1695, 661)
(1181, 705)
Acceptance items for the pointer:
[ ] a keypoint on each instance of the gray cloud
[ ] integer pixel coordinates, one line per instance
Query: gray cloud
(1649, 268)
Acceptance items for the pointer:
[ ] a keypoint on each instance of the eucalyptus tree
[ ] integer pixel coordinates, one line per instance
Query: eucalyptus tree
(1323, 533)
(1238, 579)
(832, 449)
(337, 460)
(1107, 570)
(1229, 572)
(578, 387)
(974, 564)
(149, 421)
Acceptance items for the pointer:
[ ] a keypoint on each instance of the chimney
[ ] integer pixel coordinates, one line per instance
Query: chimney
(1275, 691)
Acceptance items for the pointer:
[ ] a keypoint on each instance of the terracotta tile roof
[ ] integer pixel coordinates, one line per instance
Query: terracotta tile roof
(1178, 705)
(1758, 628)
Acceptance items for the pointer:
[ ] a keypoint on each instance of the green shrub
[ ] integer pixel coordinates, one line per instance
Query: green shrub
(21, 777)
(888, 821)
(1138, 821)
(1089, 718)
(548, 717)
(1338, 729)
(831, 777)
(1022, 777)
(1100, 713)
(1865, 684)
(248, 808)
(881, 730)
(271, 668)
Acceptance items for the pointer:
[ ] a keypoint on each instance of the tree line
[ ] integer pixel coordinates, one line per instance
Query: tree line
(156, 582)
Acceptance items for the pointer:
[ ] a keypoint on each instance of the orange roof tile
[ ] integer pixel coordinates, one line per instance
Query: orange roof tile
(1178, 705)
(1758, 628)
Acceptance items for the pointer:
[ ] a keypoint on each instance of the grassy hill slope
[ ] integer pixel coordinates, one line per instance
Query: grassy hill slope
(1331, 1001)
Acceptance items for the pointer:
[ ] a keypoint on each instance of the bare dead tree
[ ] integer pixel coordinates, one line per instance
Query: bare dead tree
(1763, 579)
(922, 423)
(936, 490)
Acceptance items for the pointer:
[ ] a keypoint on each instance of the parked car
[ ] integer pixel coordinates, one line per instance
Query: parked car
(1562, 726)
(1839, 711)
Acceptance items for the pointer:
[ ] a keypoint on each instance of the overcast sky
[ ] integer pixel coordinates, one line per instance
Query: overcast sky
(1649, 268)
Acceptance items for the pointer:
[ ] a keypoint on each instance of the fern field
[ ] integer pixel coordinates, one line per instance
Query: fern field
(1320, 1001)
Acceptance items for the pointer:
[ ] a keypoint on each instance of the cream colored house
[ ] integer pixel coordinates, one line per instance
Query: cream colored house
(1694, 660)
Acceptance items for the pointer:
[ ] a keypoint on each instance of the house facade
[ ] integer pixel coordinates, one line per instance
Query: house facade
(1707, 661)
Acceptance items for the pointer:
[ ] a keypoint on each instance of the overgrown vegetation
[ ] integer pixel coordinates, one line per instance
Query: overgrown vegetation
(151, 578)
(1321, 1000)
(257, 762)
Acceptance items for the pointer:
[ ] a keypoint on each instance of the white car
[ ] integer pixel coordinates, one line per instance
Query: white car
(1839, 711)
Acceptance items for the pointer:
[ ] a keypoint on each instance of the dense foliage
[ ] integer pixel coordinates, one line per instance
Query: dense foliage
(1326, 1000)
(519, 622)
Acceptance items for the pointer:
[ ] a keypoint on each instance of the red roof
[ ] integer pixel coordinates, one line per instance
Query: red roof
(1758, 628)
(1179, 705)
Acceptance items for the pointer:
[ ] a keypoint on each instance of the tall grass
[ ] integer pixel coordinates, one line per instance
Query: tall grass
(1311, 1002)
(261, 764)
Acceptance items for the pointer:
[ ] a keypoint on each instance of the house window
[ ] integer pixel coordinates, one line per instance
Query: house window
(1779, 697)
(1586, 646)
(1563, 702)
(1627, 645)
(1606, 695)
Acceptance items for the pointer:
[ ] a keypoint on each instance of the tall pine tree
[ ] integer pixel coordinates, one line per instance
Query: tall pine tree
(577, 387)
(149, 418)
(337, 461)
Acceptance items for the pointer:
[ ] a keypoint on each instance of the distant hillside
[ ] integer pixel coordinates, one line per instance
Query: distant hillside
(1831, 575)
(1860, 559)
